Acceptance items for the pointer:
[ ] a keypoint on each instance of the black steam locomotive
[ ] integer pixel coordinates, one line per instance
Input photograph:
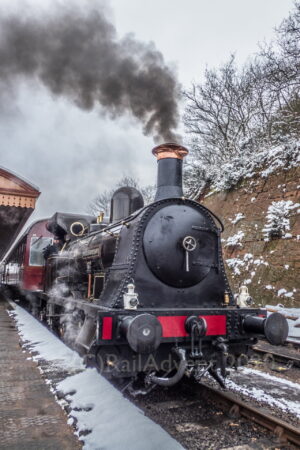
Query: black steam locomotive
(146, 292)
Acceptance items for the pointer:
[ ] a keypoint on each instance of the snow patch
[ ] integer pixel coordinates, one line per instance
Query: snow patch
(281, 292)
(278, 222)
(237, 265)
(245, 164)
(113, 420)
(47, 345)
(237, 218)
(235, 240)
(265, 395)
(283, 381)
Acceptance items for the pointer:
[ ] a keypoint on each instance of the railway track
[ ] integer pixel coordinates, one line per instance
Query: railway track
(289, 354)
(235, 407)
(200, 416)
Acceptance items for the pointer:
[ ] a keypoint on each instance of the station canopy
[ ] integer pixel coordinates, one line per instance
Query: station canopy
(17, 202)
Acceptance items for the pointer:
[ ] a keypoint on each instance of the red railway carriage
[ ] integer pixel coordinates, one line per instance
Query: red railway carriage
(25, 264)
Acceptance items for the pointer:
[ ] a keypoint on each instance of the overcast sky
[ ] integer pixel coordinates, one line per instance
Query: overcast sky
(72, 155)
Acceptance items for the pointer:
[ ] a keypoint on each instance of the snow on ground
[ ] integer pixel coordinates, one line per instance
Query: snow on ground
(265, 388)
(48, 346)
(283, 381)
(112, 421)
(116, 423)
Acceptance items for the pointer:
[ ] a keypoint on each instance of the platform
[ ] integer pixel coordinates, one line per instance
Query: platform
(30, 418)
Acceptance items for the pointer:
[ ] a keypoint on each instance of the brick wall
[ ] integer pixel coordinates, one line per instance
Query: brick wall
(267, 267)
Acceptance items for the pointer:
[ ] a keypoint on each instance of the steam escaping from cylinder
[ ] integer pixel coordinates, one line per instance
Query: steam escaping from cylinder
(76, 54)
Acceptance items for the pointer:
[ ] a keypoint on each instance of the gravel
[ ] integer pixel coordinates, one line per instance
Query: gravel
(199, 424)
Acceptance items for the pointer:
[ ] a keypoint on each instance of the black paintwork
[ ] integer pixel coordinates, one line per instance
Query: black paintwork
(60, 223)
(171, 286)
(163, 245)
(125, 201)
(169, 178)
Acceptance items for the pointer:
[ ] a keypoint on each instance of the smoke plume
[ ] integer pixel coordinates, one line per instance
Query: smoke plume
(80, 57)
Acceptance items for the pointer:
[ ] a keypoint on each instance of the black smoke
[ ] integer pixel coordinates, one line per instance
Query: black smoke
(80, 57)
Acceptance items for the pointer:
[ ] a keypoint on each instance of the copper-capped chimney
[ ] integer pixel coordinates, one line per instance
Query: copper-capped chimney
(169, 174)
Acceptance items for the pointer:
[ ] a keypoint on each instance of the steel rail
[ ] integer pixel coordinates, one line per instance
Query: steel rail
(279, 356)
(294, 342)
(237, 407)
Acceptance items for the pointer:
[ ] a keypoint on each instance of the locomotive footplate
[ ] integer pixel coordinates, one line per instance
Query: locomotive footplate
(236, 325)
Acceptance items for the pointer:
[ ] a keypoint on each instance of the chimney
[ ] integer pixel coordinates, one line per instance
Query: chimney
(169, 175)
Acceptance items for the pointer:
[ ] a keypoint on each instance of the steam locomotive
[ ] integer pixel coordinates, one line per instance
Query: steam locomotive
(143, 293)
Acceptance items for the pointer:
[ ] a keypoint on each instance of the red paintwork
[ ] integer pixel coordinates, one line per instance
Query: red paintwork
(33, 276)
(174, 326)
(30, 278)
(107, 328)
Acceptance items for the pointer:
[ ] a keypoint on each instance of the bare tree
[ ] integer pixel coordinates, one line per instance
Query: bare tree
(280, 63)
(148, 193)
(219, 112)
(102, 201)
(234, 113)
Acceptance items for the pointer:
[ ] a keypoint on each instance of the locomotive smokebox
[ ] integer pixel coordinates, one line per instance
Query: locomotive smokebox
(169, 175)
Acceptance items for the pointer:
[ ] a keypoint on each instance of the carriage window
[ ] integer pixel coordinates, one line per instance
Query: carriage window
(37, 245)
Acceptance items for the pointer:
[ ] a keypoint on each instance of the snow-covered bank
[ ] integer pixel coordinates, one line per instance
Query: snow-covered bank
(111, 422)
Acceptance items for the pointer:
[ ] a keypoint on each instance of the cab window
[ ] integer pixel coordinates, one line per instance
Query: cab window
(37, 245)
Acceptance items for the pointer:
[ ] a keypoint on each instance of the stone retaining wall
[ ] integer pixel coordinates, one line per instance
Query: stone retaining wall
(270, 268)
